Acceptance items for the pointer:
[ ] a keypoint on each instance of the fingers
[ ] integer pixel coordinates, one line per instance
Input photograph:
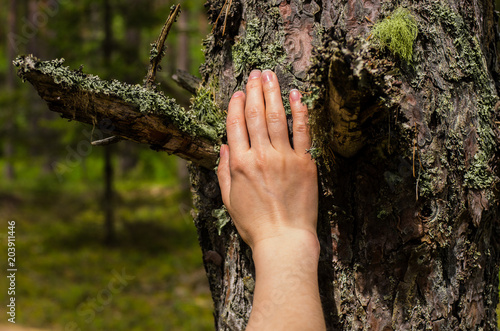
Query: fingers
(237, 134)
(224, 174)
(255, 111)
(301, 138)
(275, 113)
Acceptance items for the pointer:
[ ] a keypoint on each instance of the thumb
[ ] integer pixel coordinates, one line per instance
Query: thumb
(224, 174)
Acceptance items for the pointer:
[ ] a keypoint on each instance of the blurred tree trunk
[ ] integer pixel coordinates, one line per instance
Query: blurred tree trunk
(109, 194)
(33, 27)
(408, 221)
(127, 152)
(183, 62)
(9, 125)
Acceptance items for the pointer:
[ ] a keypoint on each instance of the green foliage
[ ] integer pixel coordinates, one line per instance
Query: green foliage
(397, 32)
(66, 266)
(61, 222)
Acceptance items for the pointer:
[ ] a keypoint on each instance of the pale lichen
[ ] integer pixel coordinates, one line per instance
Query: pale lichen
(465, 63)
(146, 100)
(479, 174)
(222, 218)
(248, 53)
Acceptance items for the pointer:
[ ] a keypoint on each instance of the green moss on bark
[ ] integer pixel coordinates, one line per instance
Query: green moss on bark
(206, 110)
(397, 32)
(146, 100)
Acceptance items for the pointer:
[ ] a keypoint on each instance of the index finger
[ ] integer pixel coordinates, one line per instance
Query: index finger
(237, 133)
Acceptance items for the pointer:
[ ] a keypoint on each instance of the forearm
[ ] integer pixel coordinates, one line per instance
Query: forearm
(286, 293)
(271, 192)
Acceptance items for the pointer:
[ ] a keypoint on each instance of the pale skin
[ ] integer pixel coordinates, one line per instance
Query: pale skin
(270, 190)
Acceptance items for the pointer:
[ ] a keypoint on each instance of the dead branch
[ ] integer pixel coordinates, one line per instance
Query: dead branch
(158, 48)
(86, 98)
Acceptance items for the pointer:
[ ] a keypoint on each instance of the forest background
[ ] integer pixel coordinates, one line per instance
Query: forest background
(85, 214)
(58, 188)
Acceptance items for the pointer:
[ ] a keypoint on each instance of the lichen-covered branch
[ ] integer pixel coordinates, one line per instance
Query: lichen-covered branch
(135, 113)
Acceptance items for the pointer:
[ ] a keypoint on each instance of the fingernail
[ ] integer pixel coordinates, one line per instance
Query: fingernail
(238, 94)
(267, 76)
(254, 74)
(295, 95)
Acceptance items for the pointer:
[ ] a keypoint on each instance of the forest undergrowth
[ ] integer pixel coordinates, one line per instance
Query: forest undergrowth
(152, 278)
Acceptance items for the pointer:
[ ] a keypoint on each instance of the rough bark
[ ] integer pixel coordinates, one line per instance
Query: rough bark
(407, 154)
(409, 198)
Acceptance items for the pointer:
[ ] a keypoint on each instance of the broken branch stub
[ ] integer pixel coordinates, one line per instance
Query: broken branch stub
(135, 113)
(358, 94)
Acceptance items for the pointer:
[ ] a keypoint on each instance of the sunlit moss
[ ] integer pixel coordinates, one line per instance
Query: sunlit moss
(397, 32)
(206, 110)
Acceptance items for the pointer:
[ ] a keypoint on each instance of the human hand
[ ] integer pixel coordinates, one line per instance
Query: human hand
(268, 187)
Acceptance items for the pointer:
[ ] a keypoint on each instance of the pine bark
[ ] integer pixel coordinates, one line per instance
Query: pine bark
(409, 215)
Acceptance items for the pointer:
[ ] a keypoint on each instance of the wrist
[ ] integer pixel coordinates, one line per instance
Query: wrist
(289, 244)
(286, 294)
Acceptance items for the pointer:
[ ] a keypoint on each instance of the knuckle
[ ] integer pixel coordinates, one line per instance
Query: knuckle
(301, 127)
(254, 83)
(253, 112)
(310, 165)
(270, 88)
(221, 167)
(233, 121)
(236, 165)
(260, 159)
(219, 170)
(301, 112)
(274, 117)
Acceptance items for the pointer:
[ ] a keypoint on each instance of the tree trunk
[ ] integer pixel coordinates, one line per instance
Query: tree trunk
(9, 126)
(108, 174)
(405, 132)
(408, 219)
(108, 201)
